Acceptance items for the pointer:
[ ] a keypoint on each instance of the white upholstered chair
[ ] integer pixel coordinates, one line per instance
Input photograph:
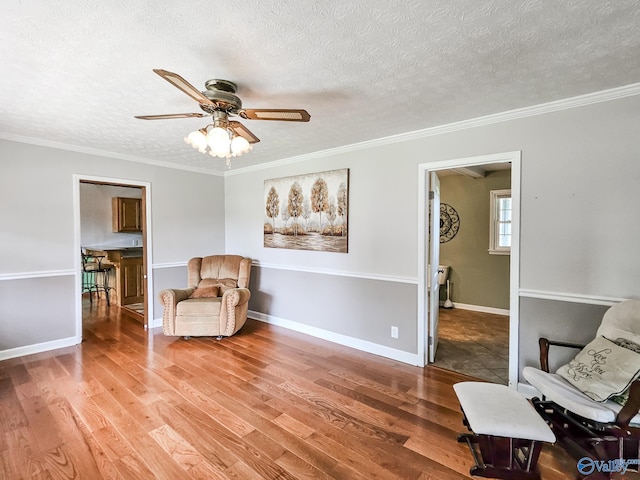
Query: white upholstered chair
(597, 430)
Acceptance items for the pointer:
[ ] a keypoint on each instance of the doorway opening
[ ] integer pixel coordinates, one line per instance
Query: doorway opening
(491, 322)
(112, 224)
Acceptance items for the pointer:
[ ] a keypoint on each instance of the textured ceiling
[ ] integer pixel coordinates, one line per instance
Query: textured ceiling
(76, 73)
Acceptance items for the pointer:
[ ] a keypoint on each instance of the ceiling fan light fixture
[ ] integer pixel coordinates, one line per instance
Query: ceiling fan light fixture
(197, 139)
(239, 145)
(223, 138)
(222, 142)
(217, 138)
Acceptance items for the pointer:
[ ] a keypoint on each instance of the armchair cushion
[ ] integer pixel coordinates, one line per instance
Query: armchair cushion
(199, 306)
(602, 369)
(205, 292)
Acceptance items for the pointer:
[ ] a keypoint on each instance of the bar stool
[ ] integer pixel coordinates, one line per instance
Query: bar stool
(95, 276)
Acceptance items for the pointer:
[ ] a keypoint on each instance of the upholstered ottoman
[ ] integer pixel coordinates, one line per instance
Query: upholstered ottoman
(507, 429)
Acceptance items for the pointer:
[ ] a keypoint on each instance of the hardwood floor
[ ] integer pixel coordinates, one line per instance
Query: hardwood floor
(265, 403)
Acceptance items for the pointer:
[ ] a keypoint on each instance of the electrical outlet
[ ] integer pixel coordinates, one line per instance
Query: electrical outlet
(394, 332)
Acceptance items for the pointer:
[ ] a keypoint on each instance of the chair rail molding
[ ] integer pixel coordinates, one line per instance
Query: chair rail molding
(338, 273)
(570, 297)
(42, 274)
(157, 266)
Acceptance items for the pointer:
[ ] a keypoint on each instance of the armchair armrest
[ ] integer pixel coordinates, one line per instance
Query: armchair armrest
(168, 299)
(631, 408)
(545, 343)
(233, 310)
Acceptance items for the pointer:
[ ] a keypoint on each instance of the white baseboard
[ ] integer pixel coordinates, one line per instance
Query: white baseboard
(156, 322)
(38, 348)
(362, 345)
(479, 308)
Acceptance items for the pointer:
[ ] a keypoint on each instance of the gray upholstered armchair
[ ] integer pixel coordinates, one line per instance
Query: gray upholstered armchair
(215, 302)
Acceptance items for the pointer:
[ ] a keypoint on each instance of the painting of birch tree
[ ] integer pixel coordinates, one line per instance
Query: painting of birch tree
(308, 212)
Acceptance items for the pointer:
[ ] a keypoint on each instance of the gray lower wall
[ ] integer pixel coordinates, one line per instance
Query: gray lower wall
(171, 277)
(36, 310)
(556, 320)
(356, 307)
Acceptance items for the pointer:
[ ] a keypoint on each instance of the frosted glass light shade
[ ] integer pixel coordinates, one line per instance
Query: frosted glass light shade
(239, 145)
(197, 140)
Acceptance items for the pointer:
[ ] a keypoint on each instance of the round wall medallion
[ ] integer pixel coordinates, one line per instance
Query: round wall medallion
(449, 222)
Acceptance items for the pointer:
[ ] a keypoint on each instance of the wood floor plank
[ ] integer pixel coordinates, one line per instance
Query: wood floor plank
(42, 423)
(12, 415)
(177, 447)
(199, 432)
(25, 458)
(266, 403)
(155, 459)
(131, 467)
(255, 458)
(18, 374)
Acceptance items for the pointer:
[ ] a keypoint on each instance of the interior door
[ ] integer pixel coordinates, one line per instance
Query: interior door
(434, 262)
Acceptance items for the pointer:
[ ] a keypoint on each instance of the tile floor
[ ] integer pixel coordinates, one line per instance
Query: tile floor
(137, 309)
(474, 343)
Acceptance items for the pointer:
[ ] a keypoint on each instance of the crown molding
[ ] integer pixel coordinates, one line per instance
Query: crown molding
(102, 153)
(549, 107)
(543, 108)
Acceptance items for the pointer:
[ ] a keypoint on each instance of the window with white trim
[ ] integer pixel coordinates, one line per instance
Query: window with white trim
(500, 221)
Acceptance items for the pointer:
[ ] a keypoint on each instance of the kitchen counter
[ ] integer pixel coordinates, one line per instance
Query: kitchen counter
(129, 271)
(129, 252)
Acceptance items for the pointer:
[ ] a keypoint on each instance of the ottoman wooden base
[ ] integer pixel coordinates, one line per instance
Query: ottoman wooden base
(506, 432)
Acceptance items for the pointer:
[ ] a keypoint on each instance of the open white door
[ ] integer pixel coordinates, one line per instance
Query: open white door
(434, 262)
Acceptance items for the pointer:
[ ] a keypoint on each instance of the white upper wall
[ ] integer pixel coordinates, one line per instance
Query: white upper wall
(580, 177)
(380, 202)
(96, 215)
(37, 214)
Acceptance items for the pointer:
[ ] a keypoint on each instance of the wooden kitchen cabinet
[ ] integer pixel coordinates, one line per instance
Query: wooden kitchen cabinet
(127, 214)
(131, 281)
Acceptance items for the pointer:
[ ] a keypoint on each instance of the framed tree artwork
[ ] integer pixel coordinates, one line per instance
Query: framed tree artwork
(308, 212)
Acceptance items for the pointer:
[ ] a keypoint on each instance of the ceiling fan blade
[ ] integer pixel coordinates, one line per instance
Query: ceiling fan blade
(243, 131)
(171, 115)
(281, 114)
(182, 84)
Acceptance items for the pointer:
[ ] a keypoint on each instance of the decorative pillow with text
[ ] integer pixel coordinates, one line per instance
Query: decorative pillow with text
(602, 369)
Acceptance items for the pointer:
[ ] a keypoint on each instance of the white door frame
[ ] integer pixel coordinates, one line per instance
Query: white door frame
(77, 179)
(424, 169)
(433, 263)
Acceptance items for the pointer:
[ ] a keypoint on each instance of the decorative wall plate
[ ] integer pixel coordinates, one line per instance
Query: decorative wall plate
(449, 222)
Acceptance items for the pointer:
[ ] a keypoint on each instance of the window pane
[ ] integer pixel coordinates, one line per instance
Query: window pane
(504, 238)
(504, 209)
(501, 216)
